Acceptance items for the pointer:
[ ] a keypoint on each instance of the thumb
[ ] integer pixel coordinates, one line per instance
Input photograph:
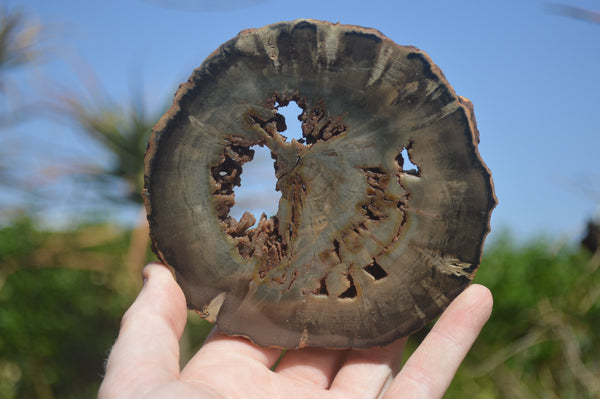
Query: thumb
(146, 354)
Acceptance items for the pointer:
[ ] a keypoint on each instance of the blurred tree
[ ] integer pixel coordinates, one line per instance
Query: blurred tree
(61, 299)
(19, 49)
(122, 131)
(18, 44)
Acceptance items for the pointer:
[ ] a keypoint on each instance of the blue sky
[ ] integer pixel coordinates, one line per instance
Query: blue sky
(531, 74)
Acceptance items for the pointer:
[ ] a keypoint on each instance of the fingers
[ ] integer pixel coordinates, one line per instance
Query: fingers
(222, 350)
(314, 366)
(430, 369)
(146, 353)
(366, 371)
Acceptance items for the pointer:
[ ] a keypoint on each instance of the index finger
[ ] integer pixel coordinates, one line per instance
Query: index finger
(430, 369)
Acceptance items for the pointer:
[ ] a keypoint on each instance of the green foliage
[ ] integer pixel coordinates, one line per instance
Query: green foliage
(541, 341)
(57, 324)
(16, 242)
(62, 296)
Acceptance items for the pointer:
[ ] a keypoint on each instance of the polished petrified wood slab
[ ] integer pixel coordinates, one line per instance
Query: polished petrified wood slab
(362, 250)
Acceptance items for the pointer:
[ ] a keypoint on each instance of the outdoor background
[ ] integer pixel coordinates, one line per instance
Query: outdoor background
(82, 84)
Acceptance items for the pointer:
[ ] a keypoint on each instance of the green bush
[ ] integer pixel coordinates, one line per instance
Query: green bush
(62, 296)
(541, 341)
(57, 325)
(58, 312)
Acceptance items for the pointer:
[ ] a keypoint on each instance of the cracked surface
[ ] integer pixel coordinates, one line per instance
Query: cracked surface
(363, 249)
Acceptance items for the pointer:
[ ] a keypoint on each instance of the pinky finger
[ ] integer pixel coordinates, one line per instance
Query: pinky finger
(430, 369)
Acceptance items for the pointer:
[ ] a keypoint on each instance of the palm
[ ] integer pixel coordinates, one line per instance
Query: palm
(145, 359)
(302, 373)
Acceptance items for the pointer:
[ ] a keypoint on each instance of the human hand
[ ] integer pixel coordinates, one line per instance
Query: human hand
(144, 362)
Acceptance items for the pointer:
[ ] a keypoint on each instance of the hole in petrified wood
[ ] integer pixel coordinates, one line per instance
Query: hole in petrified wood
(256, 192)
(376, 178)
(292, 124)
(322, 290)
(351, 291)
(405, 164)
(263, 241)
(336, 248)
(375, 270)
(373, 213)
(378, 182)
(227, 173)
(317, 125)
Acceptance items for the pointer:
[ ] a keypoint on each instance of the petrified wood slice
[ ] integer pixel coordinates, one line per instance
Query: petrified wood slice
(361, 251)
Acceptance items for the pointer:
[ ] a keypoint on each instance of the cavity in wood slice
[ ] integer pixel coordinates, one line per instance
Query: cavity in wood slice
(361, 251)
